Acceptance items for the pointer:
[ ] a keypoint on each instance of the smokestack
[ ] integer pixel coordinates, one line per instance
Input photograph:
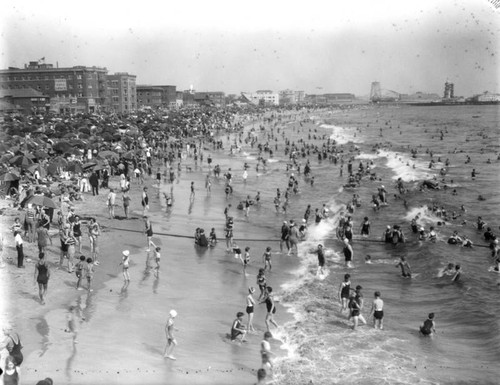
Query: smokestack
(57, 64)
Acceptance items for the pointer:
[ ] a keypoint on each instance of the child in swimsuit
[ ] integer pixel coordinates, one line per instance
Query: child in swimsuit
(267, 258)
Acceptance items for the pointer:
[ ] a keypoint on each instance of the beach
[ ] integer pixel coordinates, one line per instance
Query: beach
(121, 327)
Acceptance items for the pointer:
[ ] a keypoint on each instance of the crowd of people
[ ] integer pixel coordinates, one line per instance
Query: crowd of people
(127, 149)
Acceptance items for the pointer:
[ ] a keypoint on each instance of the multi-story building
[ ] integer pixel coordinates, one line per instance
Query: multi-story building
(122, 92)
(191, 98)
(74, 89)
(288, 97)
(156, 96)
(70, 89)
(216, 99)
(149, 96)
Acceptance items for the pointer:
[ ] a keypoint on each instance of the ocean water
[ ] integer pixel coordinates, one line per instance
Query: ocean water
(321, 346)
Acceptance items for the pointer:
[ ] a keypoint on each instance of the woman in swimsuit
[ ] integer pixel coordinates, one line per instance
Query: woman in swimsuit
(12, 343)
(270, 306)
(77, 232)
(42, 274)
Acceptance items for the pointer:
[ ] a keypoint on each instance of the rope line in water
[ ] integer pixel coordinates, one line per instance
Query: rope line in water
(242, 239)
(190, 236)
(381, 241)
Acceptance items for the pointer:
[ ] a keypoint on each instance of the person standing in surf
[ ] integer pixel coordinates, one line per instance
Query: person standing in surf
(344, 292)
(321, 260)
(348, 253)
(265, 351)
(405, 267)
(250, 308)
(377, 311)
(169, 331)
(271, 307)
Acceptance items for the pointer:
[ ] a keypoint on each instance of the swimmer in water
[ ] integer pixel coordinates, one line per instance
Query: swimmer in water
(454, 239)
(405, 267)
(368, 259)
(448, 270)
(457, 275)
(429, 326)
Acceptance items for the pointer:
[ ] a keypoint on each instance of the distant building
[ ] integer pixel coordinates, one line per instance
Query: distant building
(73, 89)
(207, 99)
(149, 96)
(449, 90)
(486, 97)
(77, 89)
(215, 99)
(330, 99)
(290, 97)
(262, 97)
(156, 96)
(122, 92)
(26, 100)
(179, 95)
(419, 97)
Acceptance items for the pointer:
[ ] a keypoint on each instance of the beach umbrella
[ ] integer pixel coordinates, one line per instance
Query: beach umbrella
(41, 187)
(28, 154)
(33, 168)
(59, 161)
(84, 130)
(78, 143)
(72, 151)
(9, 177)
(5, 157)
(107, 136)
(40, 154)
(128, 155)
(70, 135)
(52, 169)
(107, 154)
(89, 165)
(74, 167)
(62, 147)
(21, 161)
(42, 200)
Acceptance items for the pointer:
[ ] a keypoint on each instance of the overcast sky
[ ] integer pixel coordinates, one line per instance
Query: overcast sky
(233, 46)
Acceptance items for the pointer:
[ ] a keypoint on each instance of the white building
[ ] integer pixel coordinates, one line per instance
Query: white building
(487, 97)
(265, 97)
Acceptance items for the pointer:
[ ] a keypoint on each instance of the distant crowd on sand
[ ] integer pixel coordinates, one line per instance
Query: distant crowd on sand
(50, 162)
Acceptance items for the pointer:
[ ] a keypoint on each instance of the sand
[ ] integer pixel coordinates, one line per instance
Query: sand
(121, 328)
